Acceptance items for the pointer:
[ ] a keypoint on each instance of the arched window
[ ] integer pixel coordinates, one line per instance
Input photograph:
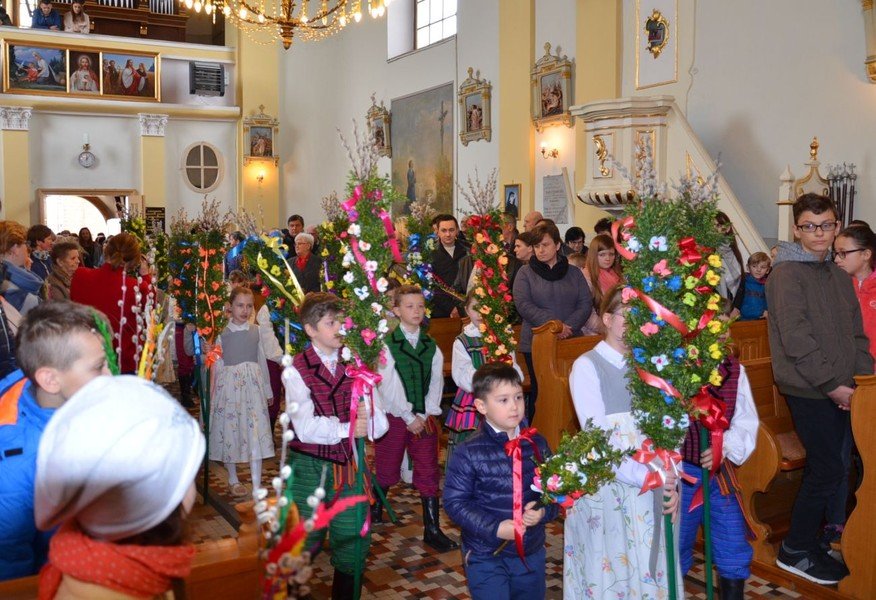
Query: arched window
(202, 167)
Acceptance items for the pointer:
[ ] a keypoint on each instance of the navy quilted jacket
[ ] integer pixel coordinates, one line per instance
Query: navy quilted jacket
(478, 492)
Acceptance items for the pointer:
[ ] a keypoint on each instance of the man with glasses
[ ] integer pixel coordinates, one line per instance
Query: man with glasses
(818, 345)
(574, 242)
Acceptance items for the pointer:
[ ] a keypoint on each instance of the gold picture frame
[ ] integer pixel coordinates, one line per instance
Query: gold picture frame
(51, 70)
(260, 133)
(657, 28)
(551, 82)
(131, 75)
(35, 69)
(474, 98)
(379, 127)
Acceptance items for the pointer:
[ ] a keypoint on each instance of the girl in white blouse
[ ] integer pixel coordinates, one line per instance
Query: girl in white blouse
(614, 543)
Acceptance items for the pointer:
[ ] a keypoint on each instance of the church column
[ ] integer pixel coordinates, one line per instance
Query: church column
(153, 160)
(598, 67)
(516, 42)
(15, 191)
(259, 90)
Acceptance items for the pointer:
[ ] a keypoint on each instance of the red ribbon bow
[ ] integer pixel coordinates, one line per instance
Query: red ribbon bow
(648, 454)
(514, 449)
(212, 356)
(690, 252)
(626, 223)
(714, 419)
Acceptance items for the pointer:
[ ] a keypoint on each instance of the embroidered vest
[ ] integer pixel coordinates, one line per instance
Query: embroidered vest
(331, 395)
(474, 346)
(414, 366)
(729, 371)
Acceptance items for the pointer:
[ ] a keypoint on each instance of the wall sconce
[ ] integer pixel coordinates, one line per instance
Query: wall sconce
(545, 153)
(260, 177)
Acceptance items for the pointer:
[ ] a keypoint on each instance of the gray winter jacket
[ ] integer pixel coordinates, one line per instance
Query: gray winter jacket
(816, 333)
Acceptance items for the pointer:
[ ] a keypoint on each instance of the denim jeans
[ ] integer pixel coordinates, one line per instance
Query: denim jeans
(821, 427)
(505, 577)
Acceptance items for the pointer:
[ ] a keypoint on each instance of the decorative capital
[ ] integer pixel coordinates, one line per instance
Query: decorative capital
(15, 118)
(152, 125)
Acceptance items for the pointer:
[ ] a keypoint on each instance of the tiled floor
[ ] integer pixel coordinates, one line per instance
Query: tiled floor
(401, 566)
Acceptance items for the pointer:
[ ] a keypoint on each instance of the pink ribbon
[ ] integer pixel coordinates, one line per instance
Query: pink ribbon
(391, 242)
(354, 245)
(364, 380)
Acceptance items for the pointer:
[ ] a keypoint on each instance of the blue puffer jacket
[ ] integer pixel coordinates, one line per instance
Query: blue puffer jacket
(23, 548)
(478, 492)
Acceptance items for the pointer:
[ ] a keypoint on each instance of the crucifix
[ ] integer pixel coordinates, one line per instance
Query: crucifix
(441, 117)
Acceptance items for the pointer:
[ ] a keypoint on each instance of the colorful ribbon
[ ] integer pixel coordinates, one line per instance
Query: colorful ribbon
(690, 252)
(364, 380)
(515, 451)
(649, 454)
(714, 419)
(213, 355)
(626, 223)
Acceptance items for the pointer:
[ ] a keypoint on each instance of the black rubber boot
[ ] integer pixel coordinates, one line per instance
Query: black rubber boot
(377, 507)
(732, 589)
(185, 391)
(343, 586)
(432, 534)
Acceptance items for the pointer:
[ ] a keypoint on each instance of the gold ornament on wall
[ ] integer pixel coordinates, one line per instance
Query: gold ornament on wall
(551, 82)
(601, 155)
(474, 108)
(379, 127)
(657, 28)
(260, 133)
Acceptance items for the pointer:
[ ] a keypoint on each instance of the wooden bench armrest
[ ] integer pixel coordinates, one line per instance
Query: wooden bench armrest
(755, 476)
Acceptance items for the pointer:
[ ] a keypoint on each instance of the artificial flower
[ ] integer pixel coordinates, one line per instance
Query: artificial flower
(689, 299)
(346, 354)
(679, 354)
(715, 326)
(649, 329)
(633, 244)
(628, 294)
(349, 277)
(661, 269)
(354, 229)
(658, 242)
(364, 246)
(715, 261)
(668, 421)
(361, 292)
(660, 361)
(370, 266)
(690, 282)
(715, 351)
(712, 278)
(639, 355)
(715, 378)
(649, 283)
(368, 336)
(684, 422)
(673, 283)
(713, 303)
(382, 285)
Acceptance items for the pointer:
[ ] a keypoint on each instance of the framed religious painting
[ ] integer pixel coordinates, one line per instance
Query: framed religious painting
(83, 72)
(656, 49)
(131, 76)
(259, 133)
(474, 108)
(551, 82)
(379, 122)
(36, 69)
(511, 204)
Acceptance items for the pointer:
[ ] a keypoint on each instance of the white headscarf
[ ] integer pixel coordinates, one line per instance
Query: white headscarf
(118, 457)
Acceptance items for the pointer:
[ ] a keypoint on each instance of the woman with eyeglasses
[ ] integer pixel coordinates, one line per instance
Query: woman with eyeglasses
(854, 251)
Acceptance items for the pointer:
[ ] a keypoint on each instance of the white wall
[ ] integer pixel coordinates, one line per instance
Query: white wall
(555, 23)
(56, 141)
(766, 77)
(326, 84)
(179, 135)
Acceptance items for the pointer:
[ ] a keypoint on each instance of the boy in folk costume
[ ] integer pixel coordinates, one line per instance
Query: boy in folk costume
(412, 383)
(322, 447)
(730, 548)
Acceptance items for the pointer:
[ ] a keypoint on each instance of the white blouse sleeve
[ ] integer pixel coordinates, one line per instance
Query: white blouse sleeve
(741, 437)
(587, 398)
(310, 428)
(436, 385)
(270, 345)
(461, 367)
(392, 392)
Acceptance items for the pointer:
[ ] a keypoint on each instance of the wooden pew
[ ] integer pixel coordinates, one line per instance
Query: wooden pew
(552, 360)
(220, 571)
(858, 534)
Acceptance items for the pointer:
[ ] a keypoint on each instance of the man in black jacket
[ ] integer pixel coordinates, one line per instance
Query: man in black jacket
(445, 265)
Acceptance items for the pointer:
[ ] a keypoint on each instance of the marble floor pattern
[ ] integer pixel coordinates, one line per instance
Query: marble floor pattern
(401, 566)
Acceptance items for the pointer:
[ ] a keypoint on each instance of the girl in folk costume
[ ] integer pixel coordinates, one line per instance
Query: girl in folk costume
(240, 429)
(322, 451)
(614, 540)
(731, 551)
(411, 388)
(463, 418)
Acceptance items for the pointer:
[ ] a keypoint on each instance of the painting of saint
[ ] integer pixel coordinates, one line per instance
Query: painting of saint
(261, 142)
(128, 75)
(551, 95)
(37, 68)
(422, 148)
(84, 80)
(474, 112)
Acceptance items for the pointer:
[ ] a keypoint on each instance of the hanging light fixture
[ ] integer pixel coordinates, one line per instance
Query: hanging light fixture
(271, 20)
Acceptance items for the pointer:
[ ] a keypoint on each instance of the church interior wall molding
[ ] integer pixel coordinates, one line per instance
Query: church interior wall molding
(15, 118)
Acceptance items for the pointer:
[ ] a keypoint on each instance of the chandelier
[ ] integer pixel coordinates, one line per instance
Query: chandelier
(270, 20)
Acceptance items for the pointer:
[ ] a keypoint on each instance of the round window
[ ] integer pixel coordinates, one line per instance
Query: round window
(202, 167)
